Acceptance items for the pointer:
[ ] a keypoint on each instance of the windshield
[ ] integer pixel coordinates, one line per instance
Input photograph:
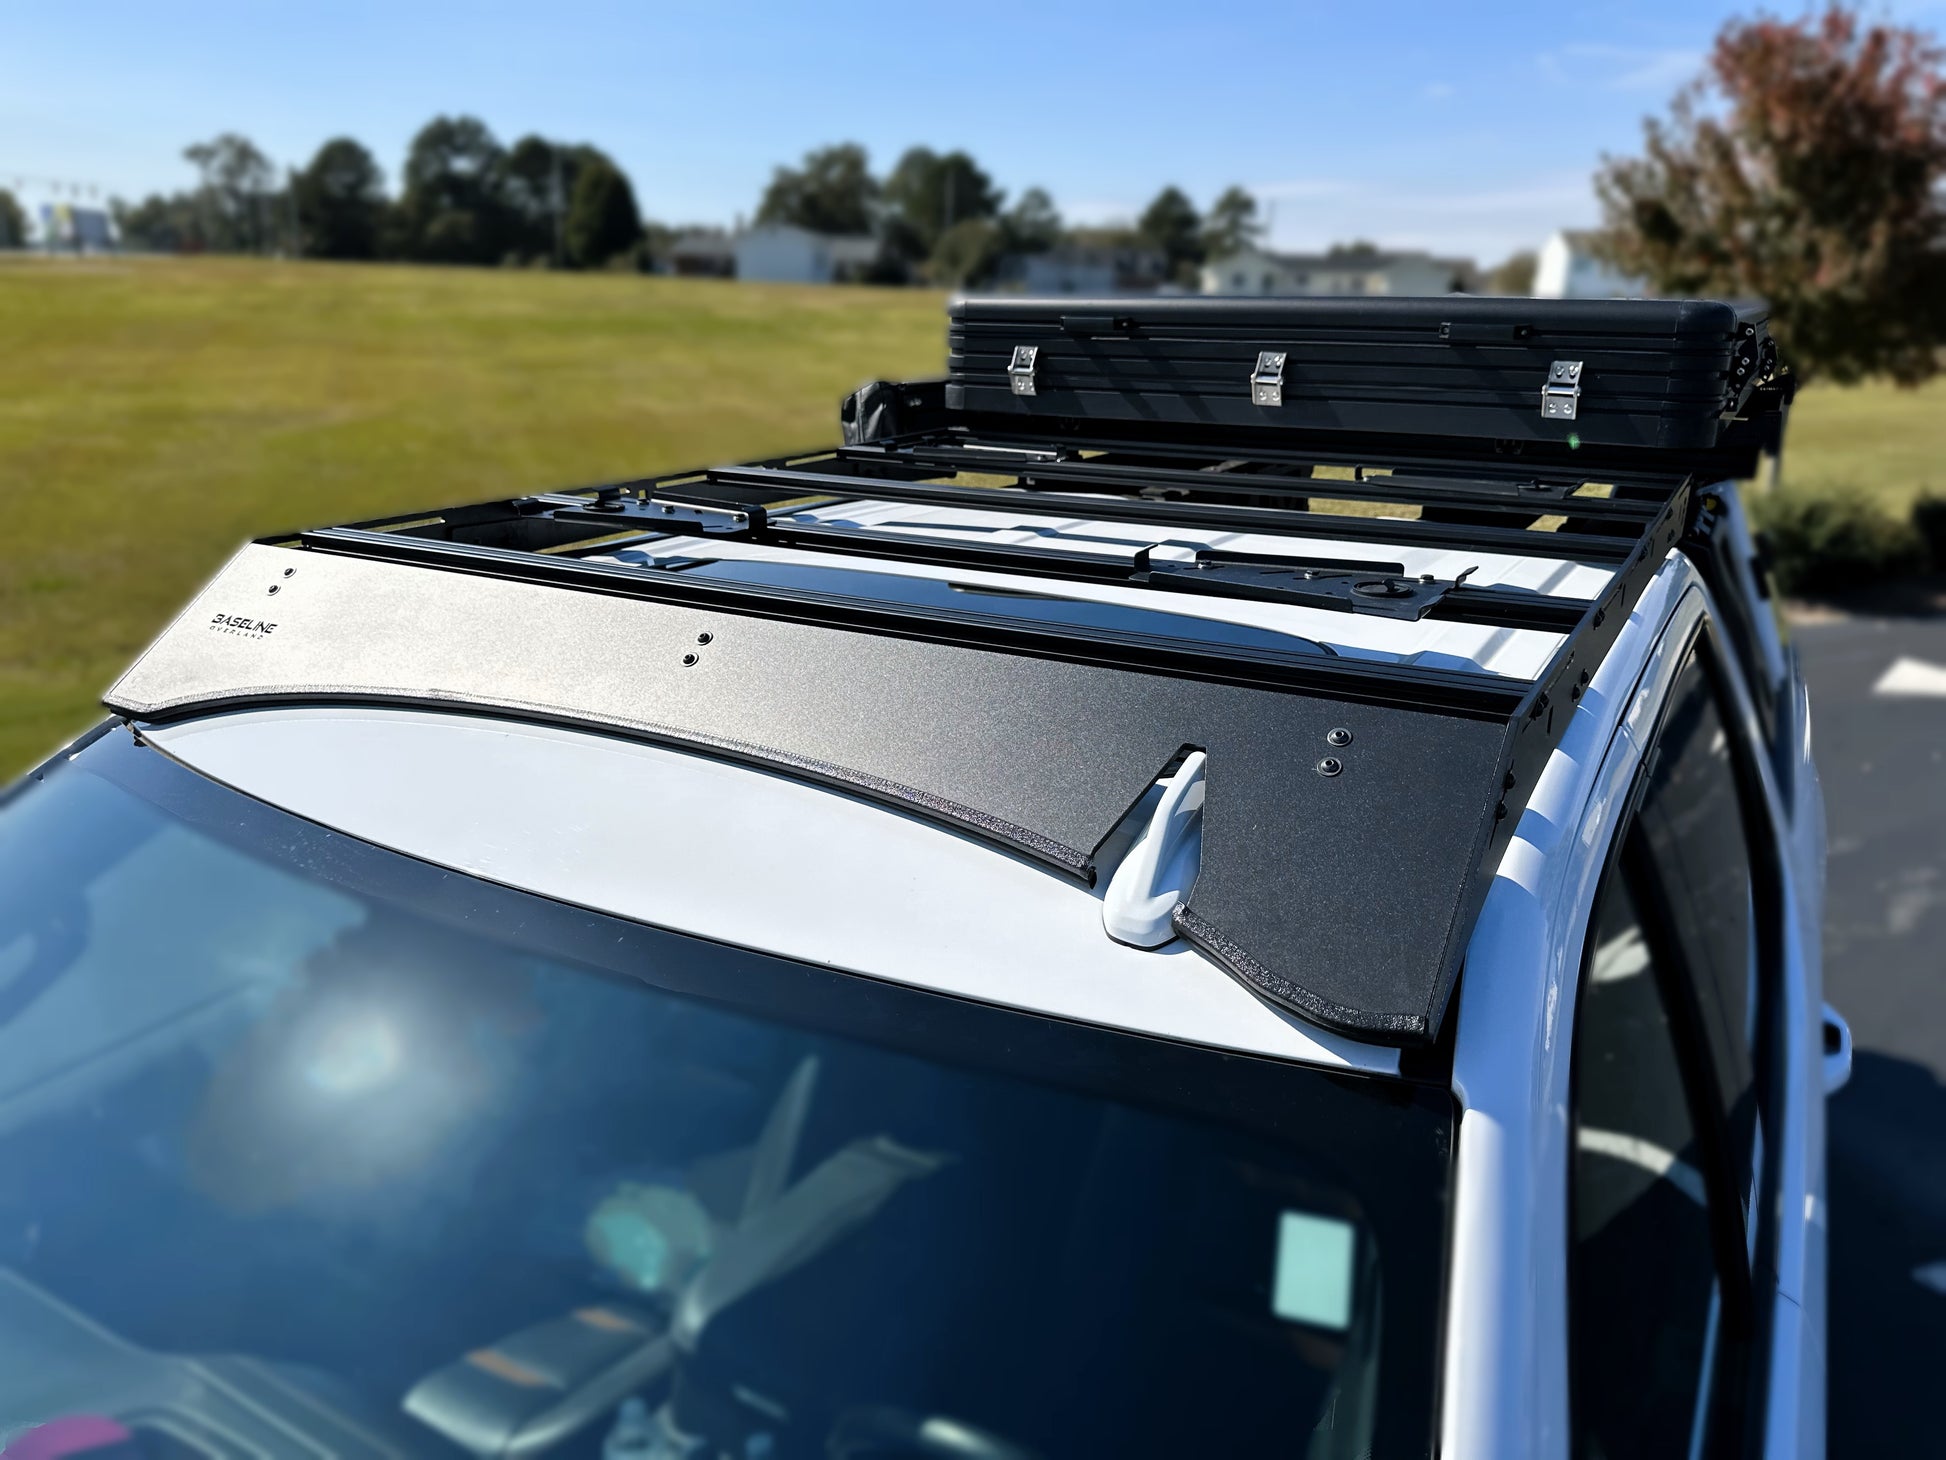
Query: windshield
(307, 1147)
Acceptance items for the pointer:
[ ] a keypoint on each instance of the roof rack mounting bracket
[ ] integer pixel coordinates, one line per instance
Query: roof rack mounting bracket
(657, 513)
(1384, 589)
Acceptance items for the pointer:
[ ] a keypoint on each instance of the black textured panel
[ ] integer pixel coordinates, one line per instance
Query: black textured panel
(1342, 897)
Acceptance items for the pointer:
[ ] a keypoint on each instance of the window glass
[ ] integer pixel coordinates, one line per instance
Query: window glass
(400, 1154)
(1691, 819)
(1642, 1296)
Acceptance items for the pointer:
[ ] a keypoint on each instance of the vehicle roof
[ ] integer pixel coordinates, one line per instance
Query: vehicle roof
(1018, 637)
(739, 855)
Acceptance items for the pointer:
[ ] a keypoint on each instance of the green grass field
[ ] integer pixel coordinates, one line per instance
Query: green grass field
(1883, 443)
(156, 413)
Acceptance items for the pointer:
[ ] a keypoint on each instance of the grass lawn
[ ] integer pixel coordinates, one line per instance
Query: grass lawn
(1876, 440)
(156, 413)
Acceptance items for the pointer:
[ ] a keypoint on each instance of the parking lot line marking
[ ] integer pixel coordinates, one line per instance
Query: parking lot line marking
(1909, 676)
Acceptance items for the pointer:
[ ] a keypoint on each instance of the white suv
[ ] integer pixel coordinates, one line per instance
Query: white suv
(955, 946)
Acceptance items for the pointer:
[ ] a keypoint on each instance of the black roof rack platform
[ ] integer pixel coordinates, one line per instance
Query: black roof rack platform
(1356, 807)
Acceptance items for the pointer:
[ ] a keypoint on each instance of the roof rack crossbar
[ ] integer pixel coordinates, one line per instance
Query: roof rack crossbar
(1210, 516)
(1498, 607)
(1325, 449)
(1518, 495)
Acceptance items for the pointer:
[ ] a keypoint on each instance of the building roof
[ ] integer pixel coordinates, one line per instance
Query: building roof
(1345, 260)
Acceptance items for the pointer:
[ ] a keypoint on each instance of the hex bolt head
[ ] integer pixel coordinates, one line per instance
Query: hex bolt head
(689, 660)
(1339, 737)
(1330, 766)
(704, 638)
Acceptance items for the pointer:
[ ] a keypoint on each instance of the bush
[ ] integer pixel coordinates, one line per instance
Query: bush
(1823, 541)
(1929, 520)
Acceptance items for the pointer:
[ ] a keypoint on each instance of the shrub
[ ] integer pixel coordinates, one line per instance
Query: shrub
(1821, 541)
(1929, 520)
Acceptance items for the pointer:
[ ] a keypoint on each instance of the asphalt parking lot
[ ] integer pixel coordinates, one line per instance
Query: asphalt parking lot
(1878, 714)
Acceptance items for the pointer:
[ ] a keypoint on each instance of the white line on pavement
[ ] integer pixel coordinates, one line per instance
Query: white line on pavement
(1909, 676)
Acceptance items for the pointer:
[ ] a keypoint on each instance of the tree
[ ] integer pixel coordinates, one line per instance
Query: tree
(160, 223)
(928, 193)
(602, 220)
(1032, 225)
(1807, 167)
(236, 198)
(1516, 275)
(340, 201)
(967, 253)
(1232, 224)
(454, 207)
(1172, 227)
(833, 192)
(13, 221)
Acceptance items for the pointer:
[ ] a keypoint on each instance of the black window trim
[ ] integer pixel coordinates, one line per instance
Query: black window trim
(1742, 1259)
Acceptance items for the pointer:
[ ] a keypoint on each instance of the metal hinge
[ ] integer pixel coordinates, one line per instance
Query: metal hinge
(1561, 396)
(1020, 374)
(1267, 380)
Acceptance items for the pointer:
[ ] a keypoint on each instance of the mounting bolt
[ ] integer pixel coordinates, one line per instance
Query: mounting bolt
(704, 638)
(1330, 766)
(289, 571)
(1340, 737)
(273, 588)
(689, 660)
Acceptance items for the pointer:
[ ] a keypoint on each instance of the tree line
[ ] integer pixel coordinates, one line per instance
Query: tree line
(464, 199)
(939, 218)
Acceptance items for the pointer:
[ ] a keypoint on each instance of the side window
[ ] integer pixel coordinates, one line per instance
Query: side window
(1697, 856)
(1668, 1141)
(1642, 1289)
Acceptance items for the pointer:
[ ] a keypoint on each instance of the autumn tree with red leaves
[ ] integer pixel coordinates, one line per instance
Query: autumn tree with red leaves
(1807, 168)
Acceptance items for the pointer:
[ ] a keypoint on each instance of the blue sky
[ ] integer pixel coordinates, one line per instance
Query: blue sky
(1467, 128)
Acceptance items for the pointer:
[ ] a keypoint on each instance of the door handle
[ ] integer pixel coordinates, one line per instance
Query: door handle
(1837, 1051)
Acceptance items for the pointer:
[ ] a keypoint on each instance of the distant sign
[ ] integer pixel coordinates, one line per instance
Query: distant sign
(64, 225)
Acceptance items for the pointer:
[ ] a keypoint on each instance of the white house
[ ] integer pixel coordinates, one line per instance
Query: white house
(1568, 269)
(1084, 269)
(1256, 271)
(783, 253)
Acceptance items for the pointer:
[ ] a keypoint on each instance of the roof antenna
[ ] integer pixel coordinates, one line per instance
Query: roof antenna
(1161, 866)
